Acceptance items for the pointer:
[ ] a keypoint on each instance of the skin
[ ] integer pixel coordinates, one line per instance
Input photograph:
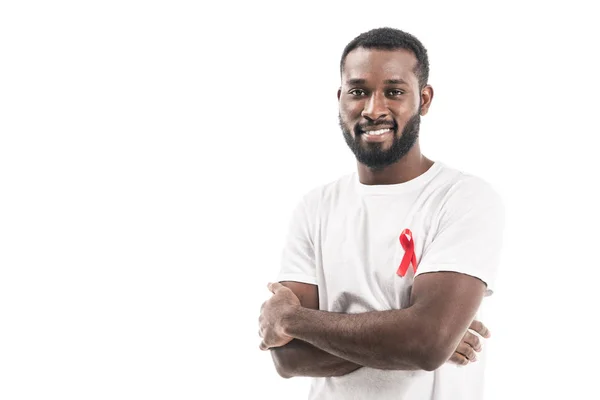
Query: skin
(299, 358)
(379, 89)
(384, 103)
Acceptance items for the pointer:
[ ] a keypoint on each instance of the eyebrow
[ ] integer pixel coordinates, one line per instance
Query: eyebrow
(387, 82)
(395, 82)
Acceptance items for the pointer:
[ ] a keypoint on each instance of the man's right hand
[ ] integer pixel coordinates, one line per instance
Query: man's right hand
(470, 344)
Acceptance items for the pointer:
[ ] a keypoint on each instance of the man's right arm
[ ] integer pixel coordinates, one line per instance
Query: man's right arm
(298, 358)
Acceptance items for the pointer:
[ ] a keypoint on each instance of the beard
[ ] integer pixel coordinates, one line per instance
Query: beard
(372, 154)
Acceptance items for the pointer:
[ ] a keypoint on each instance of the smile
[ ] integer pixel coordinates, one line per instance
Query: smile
(378, 132)
(378, 136)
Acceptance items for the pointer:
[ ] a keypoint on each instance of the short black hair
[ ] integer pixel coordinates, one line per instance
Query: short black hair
(392, 39)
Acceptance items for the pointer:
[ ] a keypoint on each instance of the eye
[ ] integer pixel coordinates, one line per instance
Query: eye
(395, 92)
(357, 92)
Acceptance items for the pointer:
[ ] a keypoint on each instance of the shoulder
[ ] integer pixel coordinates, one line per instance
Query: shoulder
(329, 192)
(464, 190)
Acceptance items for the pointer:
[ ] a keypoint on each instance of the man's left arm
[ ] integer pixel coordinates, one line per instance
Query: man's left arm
(423, 336)
(447, 291)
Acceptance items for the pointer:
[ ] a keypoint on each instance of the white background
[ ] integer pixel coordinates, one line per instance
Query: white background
(151, 154)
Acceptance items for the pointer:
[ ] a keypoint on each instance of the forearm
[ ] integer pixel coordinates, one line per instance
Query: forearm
(395, 339)
(298, 358)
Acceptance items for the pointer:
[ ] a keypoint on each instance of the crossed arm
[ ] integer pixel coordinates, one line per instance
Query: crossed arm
(299, 358)
(307, 342)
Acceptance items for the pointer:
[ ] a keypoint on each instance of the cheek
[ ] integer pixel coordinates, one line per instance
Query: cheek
(404, 112)
(350, 111)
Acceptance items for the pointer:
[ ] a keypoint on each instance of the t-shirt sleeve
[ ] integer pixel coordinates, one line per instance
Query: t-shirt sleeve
(470, 234)
(298, 256)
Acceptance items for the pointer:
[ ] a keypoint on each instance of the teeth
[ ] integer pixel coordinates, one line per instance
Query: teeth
(378, 132)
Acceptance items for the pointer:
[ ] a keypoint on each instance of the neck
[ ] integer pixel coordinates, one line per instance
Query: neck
(407, 168)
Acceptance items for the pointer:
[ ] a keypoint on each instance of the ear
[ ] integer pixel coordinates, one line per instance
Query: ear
(426, 98)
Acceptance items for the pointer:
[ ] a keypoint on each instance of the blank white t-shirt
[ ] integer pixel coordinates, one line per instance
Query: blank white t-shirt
(344, 238)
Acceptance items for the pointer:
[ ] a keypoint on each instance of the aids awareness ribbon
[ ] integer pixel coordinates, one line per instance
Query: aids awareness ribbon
(408, 244)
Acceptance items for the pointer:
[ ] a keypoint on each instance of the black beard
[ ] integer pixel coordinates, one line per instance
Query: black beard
(371, 154)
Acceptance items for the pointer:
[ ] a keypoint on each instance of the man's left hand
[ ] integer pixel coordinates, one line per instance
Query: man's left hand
(272, 313)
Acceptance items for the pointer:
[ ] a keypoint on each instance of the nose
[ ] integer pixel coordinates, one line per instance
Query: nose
(375, 107)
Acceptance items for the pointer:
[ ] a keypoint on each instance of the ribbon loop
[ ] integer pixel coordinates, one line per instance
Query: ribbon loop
(408, 244)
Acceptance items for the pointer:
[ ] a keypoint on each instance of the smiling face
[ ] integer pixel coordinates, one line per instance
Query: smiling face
(380, 104)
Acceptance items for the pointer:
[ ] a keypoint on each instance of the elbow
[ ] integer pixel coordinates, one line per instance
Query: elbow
(283, 372)
(283, 365)
(436, 353)
(432, 362)
(430, 359)
(427, 348)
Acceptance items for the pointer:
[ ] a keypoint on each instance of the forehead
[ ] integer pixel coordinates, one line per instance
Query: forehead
(375, 65)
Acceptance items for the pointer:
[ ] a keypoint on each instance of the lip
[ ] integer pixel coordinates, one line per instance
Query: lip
(378, 138)
(376, 128)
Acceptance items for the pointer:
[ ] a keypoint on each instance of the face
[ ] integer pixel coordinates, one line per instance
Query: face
(381, 105)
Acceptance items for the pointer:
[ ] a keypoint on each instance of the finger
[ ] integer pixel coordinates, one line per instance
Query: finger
(472, 340)
(263, 346)
(480, 328)
(459, 359)
(275, 287)
(467, 351)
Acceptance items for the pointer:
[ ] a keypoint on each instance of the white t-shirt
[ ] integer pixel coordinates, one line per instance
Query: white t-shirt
(344, 237)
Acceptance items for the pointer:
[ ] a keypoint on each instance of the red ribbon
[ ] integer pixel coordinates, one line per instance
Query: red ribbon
(406, 240)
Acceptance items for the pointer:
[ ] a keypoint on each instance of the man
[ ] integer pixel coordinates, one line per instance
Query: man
(384, 269)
